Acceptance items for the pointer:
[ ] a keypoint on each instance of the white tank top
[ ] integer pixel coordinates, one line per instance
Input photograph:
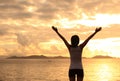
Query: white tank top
(75, 58)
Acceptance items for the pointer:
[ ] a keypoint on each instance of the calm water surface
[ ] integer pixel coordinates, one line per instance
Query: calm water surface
(57, 69)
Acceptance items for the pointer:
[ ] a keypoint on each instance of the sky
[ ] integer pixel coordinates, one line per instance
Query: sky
(25, 26)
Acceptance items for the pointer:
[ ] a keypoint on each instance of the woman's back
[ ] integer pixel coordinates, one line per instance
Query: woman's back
(75, 51)
(75, 57)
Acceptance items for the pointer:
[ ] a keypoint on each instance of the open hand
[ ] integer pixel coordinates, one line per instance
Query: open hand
(54, 28)
(98, 29)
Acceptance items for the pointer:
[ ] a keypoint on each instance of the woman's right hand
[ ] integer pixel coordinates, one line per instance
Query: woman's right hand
(98, 29)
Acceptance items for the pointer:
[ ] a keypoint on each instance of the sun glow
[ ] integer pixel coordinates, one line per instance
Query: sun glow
(100, 20)
(66, 23)
(103, 20)
(53, 41)
(108, 19)
(104, 72)
(107, 46)
(31, 8)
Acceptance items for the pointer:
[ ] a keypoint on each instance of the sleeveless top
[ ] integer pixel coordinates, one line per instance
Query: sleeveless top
(75, 58)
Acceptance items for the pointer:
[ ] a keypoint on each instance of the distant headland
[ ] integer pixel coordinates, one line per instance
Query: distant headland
(102, 57)
(37, 57)
(55, 57)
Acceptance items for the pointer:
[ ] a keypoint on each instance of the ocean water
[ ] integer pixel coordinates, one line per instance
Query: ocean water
(57, 69)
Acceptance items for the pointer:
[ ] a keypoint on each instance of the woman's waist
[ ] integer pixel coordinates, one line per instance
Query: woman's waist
(76, 66)
(76, 63)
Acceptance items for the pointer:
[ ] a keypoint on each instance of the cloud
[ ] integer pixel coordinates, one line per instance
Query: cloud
(3, 30)
(5, 1)
(26, 24)
(48, 10)
(110, 32)
(104, 7)
(52, 9)
(14, 9)
(23, 40)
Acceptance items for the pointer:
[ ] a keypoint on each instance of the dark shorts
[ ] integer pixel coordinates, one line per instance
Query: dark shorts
(78, 72)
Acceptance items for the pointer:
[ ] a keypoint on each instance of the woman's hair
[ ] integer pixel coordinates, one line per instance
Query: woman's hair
(74, 40)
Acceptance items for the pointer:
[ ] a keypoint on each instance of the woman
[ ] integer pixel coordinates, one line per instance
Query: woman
(75, 51)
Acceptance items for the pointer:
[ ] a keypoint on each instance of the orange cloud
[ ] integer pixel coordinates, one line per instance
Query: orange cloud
(26, 24)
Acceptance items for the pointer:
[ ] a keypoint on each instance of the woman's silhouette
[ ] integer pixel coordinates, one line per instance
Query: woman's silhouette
(75, 51)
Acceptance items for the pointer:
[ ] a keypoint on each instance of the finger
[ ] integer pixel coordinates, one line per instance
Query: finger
(100, 28)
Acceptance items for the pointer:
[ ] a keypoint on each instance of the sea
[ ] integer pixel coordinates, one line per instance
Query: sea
(57, 69)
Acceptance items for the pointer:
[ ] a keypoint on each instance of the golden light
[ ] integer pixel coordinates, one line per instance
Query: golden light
(100, 20)
(52, 41)
(31, 8)
(104, 72)
(2, 51)
(100, 44)
(107, 19)
(12, 22)
(47, 45)
(103, 20)
(66, 23)
(109, 46)
(43, 1)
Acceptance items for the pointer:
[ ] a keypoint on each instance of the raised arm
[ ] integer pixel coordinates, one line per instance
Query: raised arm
(65, 41)
(86, 41)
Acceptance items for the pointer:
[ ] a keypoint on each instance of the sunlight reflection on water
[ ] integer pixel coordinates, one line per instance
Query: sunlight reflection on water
(57, 70)
(102, 70)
